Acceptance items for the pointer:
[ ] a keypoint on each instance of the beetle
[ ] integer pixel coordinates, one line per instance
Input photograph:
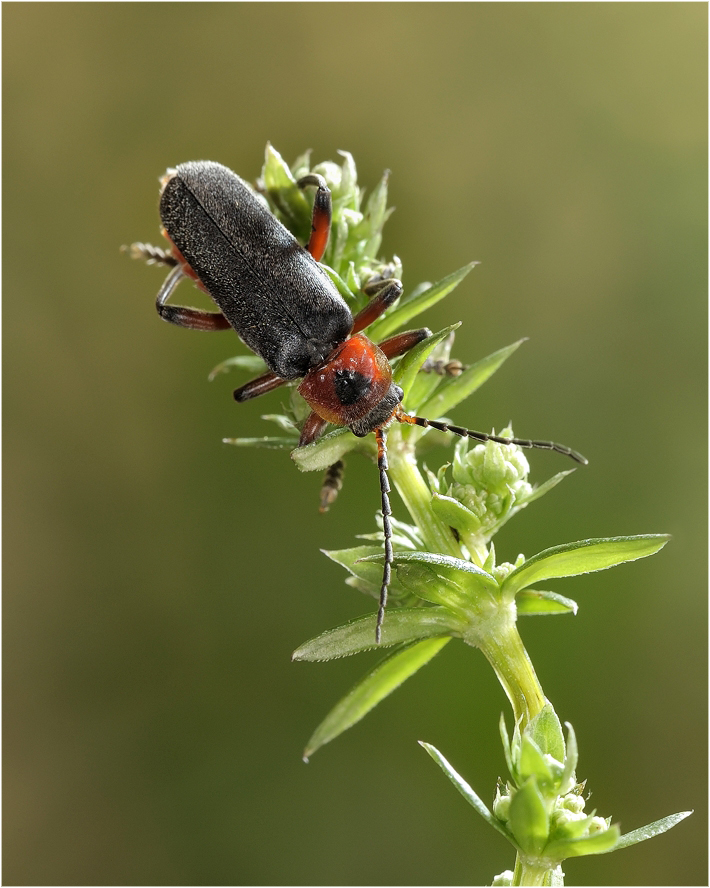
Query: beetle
(286, 309)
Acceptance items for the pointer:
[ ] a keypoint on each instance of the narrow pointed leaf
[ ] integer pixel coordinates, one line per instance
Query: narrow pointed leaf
(568, 775)
(598, 843)
(467, 792)
(410, 364)
(340, 284)
(351, 560)
(265, 443)
(453, 390)
(534, 602)
(650, 830)
(379, 682)
(505, 739)
(285, 194)
(251, 363)
(410, 309)
(547, 486)
(401, 625)
(582, 557)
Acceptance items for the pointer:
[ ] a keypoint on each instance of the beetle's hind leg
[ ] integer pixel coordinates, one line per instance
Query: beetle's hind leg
(193, 318)
(322, 214)
(150, 254)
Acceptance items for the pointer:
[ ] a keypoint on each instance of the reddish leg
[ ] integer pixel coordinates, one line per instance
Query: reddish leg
(390, 293)
(322, 213)
(312, 429)
(402, 342)
(259, 386)
(193, 318)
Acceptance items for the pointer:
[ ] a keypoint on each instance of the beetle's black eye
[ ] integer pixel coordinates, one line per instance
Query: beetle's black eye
(350, 386)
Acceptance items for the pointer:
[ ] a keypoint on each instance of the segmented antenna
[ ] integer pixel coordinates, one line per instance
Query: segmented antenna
(381, 437)
(400, 416)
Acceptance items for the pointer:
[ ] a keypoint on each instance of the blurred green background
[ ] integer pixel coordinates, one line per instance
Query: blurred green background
(156, 580)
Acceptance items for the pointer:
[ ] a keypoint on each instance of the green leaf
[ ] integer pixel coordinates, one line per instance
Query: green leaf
(284, 423)
(505, 739)
(442, 579)
(531, 762)
(467, 792)
(546, 731)
(288, 198)
(252, 363)
(401, 625)
(453, 390)
(376, 215)
(320, 455)
(454, 513)
(568, 775)
(428, 380)
(528, 818)
(598, 843)
(384, 327)
(582, 557)
(410, 364)
(351, 560)
(340, 284)
(265, 443)
(650, 830)
(534, 602)
(547, 486)
(377, 684)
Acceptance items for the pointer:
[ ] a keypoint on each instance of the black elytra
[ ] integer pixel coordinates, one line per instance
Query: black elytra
(271, 290)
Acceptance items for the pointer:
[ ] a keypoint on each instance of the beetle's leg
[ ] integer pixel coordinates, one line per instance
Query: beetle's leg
(150, 254)
(259, 386)
(312, 429)
(322, 213)
(402, 342)
(381, 437)
(332, 482)
(385, 296)
(194, 318)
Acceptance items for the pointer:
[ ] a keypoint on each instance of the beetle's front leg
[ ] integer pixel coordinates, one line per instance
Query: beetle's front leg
(193, 318)
(322, 214)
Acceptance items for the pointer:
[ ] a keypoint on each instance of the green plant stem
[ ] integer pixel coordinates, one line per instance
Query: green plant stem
(416, 495)
(529, 872)
(503, 648)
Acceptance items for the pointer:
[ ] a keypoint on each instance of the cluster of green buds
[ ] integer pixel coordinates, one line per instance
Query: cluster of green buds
(446, 583)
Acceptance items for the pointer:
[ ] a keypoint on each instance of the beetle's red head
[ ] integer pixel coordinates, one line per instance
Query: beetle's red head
(353, 387)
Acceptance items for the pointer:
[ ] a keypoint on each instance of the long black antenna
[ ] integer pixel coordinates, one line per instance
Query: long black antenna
(381, 437)
(400, 416)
